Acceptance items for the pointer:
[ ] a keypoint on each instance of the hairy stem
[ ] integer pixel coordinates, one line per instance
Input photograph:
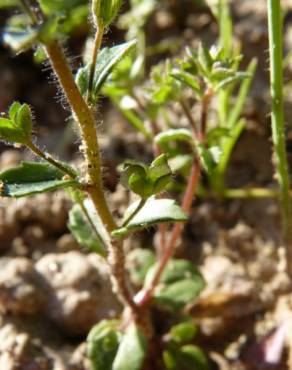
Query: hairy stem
(86, 121)
(97, 45)
(278, 125)
(48, 158)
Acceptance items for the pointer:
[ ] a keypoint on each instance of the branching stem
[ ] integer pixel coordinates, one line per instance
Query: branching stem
(86, 120)
(144, 297)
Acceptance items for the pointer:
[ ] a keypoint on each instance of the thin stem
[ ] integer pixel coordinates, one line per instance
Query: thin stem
(143, 298)
(48, 158)
(204, 113)
(86, 121)
(139, 207)
(27, 9)
(162, 228)
(252, 193)
(97, 45)
(278, 126)
(189, 116)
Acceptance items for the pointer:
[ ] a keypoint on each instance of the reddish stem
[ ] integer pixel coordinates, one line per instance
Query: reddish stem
(143, 297)
(161, 245)
(204, 113)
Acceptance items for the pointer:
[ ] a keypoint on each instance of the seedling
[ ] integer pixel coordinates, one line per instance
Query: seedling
(207, 76)
(171, 284)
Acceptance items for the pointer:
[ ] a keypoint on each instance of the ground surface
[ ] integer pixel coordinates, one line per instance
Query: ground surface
(51, 293)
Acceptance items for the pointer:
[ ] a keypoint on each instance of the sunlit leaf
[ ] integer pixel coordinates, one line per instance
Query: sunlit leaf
(102, 344)
(171, 135)
(183, 332)
(32, 178)
(155, 211)
(180, 284)
(107, 59)
(132, 350)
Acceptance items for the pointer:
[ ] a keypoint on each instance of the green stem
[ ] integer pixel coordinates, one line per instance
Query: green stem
(27, 9)
(252, 193)
(86, 121)
(48, 158)
(236, 127)
(139, 207)
(278, 128)
(143, 297)
(97, 45)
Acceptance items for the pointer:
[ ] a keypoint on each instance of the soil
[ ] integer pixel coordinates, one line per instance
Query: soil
(52, 292)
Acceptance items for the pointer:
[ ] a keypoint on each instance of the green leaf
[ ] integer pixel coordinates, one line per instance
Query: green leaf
(193, 357)
(180, 283)
(171, 135)
(181, 163)
(205, 58)
(106, 10)
(134, 176)
(146, 180)
(177, 295)
(216, 153)
(18, 128)
(159, 174)
(239, 76)
(169, 360)
(107, 59)
(183, 332)
(32, 178)
(206, 157)
(162, 95)
(52, 6)
(185, 358)
(188, 79)
(102, 344)
(132, 350)
(85, 232)
(155, 211)
(139, 262)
